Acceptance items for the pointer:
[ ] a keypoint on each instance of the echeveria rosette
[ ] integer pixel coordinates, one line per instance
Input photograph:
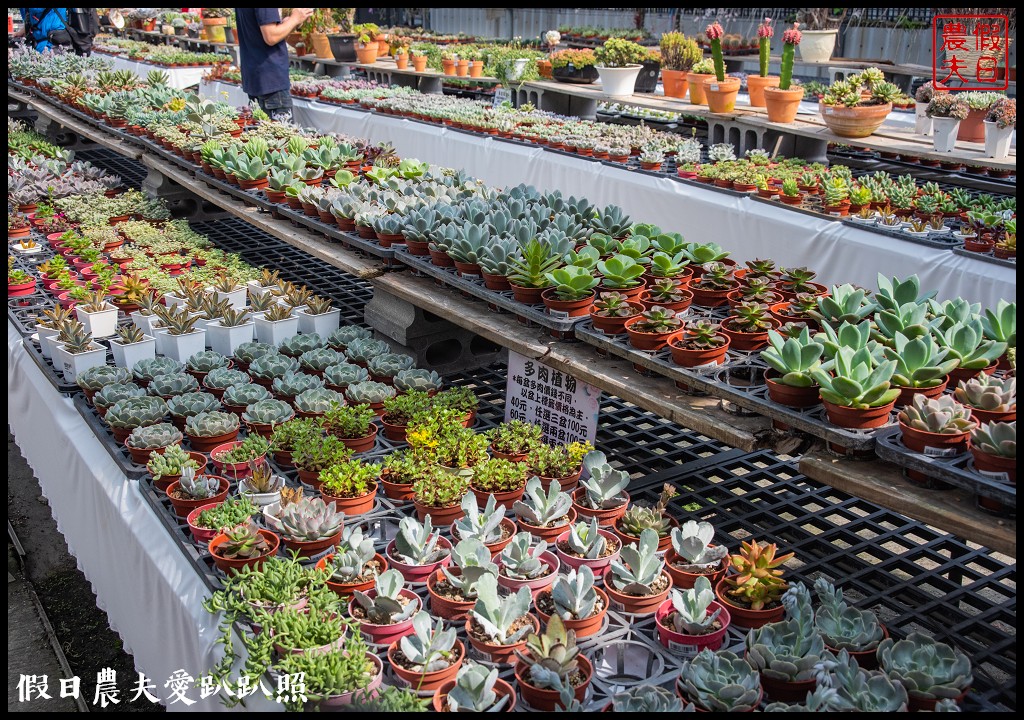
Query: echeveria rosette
(765, 32)
(790, 39)
(715, 33)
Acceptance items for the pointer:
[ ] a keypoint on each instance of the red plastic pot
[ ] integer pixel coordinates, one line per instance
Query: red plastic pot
(546, 700)
(907, 393)
(535, 585)
(637, 604)
(429, 681)
(599, 566)
(566, 308)
(419, 573)
(230, 566)
(359, 505)
(237, 471)
(791, 396)
(583, 627)
(183, 507)
(207, 444)
(614, 325)
(501, 689)
(648, 342)
(685, 357)
(504, 499)
(362, 444)
(346, 589)
(166, 481)
(386, 634)
(934, 444)
(313, 547)
(499, 654)
(606, 517)
(691, 644)
(683, 580)
(201, 535)
(854, 418)
(744, 617)
(746, 341)
(549, 534)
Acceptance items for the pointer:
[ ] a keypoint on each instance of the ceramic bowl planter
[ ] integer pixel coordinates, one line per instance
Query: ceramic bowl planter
(606, 517)
(854, 122)
(744, 617)
(816, 46)
(535, 585)
(385, 634)
(637, 604)
(501, 689)
(549, 534)
(545, 700)
(419, 574)
(618, 81)
(583, 627)
(690, 645)
(721, 94)
(498, 654)
(346, 589)
(854, 418)
(424, 682)
(229, 565)
(599, 565)
(183, 506)
(359, 505)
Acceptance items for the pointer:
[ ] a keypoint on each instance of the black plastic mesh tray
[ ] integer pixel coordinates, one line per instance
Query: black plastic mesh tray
(958, 471)
(348, 239)
(986, 257)
(738, 382)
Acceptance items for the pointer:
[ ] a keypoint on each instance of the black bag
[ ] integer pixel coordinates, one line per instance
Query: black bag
(83, 24)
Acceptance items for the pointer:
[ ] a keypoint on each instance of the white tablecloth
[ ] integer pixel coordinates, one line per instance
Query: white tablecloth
(180, 77)
(151, 594)
(750, 229)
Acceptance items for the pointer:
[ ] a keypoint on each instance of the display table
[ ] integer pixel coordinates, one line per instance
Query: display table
(180, 77)
(751, 229)
(151, 593)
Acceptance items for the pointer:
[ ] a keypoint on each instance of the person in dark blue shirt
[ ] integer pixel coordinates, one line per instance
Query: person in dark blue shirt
(263, 56)
(46, 28)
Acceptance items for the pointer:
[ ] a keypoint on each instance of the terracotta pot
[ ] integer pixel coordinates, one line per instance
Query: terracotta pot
(397, 491)
(605, 517)
(229, 566)
(498, 283)
(691, 644)
(584, 627)
(721, 94)
(696, 358)
(648, 342)
(791, 396)
(201, 535)
(352, 505)
(386, 634)
(366, 55)
(857, 419)
(696, 81)
(546, 700)
(166, 481)
(756, 86)
(183, 507)
(501, 689)
(346, 589)
(503, 499)
(525, 295)
(744, 617)
(566, 308)
(675, 83)
(989, 416)
(746, 341)
(599, 566)
(313, 547)
(613, 325)
(310, 477)
(907, 393)
(636, 604)
(430, 681)
(207, 444)
(959, 375)
(362, 444)
(440, 516)
(443, 607)
(419, 573)
(419, 63)
(549, 534)
(784, 691)
(499, 654)
(854, 122)
(780, 311)
(683, 580)
(567, 483)
(782, 105)
(537, 584)
(972, 128)
(919, 704)
(402, 61)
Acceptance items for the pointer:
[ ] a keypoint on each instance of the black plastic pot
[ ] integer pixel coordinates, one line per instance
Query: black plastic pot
(343, 47)
(647, 80)
(570, 74)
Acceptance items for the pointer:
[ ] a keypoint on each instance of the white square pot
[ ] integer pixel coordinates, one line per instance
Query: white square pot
(323, 325)
(45, 334)
(254, 288)
(145, 323)
(181, 347)
(72, 365)
(101, 324)
(225, 339)
(127, 355)
(172, 301)
(273, 333)
(237, 298)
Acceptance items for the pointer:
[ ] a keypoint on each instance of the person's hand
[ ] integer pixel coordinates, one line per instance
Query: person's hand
(301, 14)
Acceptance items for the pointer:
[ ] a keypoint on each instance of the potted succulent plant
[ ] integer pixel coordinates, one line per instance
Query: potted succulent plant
(994, 449)
(318, 316)
(619, 62)
(638, 584)
(787, 654)
(206, 521)
(642, 516)
(652, 329)
(513, 440)
(166, 468)
(552, 663)
(859, 394)
(678, 55)
(857, 106)
(336, 679)
(242, 546)
(354, 565)
(75, 351)
(475, 689)
(990, 398)
(691, 555)
(720, 90)
(753, 595)
(453, 589)
(264, 415)
(194, 490)
(428, 658)
(691, 619)
(418, 551)
(603, 494)
(351, 486)
(573, 598)
(783, 102)
(700, 344)
(586, 545)
(1000, 123)
(497, 626)
(611, 310)
(545, 515)
(385, 613)
(307, 526)
(846, 628)
(500, 479)
(947, 111)
(793, 359)
(526, 563)
(720, 682)
(928, 669)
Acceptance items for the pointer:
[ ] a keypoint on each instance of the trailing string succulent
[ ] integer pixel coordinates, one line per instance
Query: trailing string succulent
(605, 486)
(790, 650)
(229, 513)
(552, 656)
(691, 607)
(758, 580)
(841, 625)
(691, 542)
(540, 508)
(720, 682)
(640, 567)
(495, 615)
(928, 669)
(309, 520)
(941, 414)
(642, 517)
(385, 607)
(417, 543)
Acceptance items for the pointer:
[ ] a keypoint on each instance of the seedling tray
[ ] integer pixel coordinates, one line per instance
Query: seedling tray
(529, 315)
(332, 231)
(985, 257)
(115, 449)
(957, 471)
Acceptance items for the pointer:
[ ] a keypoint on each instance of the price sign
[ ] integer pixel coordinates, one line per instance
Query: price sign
(501, 95)
(566, 408)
